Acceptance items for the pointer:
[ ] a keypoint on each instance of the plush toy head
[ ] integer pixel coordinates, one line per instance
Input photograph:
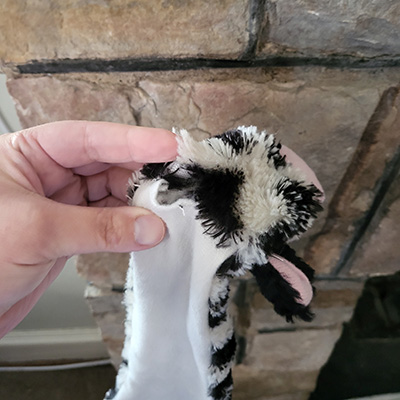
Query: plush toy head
(248, 193)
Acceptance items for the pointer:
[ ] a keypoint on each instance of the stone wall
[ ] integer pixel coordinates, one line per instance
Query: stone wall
(323, 76)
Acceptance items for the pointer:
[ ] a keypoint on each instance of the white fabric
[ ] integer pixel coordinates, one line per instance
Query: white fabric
(169, 355)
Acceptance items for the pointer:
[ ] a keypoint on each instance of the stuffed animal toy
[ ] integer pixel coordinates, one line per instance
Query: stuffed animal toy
(231, 204)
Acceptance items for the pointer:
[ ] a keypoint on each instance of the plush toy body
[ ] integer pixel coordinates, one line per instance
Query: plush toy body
(230, 204)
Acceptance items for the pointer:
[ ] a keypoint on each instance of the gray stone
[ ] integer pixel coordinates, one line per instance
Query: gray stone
(367, 28)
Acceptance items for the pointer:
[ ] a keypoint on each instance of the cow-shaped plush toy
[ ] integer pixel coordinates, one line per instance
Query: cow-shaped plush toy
(230, 203)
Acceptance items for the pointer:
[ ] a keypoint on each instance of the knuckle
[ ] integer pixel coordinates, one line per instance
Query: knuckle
(89, 145)
(110, 229)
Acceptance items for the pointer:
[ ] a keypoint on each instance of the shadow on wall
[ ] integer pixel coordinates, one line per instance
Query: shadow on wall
(366, 359)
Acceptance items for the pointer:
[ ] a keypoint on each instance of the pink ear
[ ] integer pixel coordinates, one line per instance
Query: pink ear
(296, 278)
(298, 162)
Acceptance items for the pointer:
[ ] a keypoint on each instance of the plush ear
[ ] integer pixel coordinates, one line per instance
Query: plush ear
(294, 159)
(286, 283)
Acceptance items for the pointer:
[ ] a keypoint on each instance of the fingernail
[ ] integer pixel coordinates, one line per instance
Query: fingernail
(149, 230)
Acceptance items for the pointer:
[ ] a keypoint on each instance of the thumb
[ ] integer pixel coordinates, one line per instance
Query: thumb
(79, 230)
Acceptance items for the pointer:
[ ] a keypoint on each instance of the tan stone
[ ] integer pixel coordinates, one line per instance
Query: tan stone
(359, 187)
(317, 28)
(109, 314)
(52, 99)
(283, 363)
(320, 113)
(379, 252)
(250, 384)
(337, 293)
(70, 29)
(105, 270)
(302, 350)
(289, 396)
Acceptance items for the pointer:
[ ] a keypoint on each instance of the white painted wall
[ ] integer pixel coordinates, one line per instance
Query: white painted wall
(62, 308)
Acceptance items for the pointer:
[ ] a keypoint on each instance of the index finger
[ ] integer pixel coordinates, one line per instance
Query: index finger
(77, 143)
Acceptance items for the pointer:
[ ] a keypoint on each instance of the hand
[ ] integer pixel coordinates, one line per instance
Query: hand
(63, 192)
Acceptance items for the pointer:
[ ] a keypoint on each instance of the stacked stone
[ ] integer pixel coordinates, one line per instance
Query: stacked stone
(323, 76)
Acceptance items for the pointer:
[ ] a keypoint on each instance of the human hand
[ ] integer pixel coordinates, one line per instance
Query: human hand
(62, 192)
